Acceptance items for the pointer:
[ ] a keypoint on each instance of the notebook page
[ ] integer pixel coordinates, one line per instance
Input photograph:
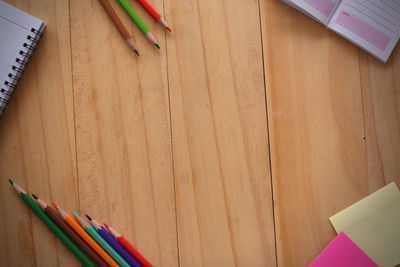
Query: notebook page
(373, 25)
(4, 93)
(11, 42)
(12, 14)
(320, 10)
(15, 47)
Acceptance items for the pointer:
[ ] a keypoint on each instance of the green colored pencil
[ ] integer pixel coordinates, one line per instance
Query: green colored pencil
(138, 21)
(53, 227)
(100, 240)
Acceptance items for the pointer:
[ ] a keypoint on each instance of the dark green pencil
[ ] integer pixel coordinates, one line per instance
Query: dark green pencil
(53, 227)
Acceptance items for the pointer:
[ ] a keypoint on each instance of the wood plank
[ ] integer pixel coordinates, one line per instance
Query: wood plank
(37, 144)
(381, 101)
(123, 130)
(219, 132)
(324, 95)
(315, 111)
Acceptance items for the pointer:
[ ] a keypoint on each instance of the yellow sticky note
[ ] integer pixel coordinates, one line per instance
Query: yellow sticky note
(373, 224)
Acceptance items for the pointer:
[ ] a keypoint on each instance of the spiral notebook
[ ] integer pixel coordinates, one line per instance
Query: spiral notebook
(19, 35)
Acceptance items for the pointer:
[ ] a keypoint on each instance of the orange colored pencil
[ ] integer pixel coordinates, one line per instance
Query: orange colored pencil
(118, 23)
(79, 230)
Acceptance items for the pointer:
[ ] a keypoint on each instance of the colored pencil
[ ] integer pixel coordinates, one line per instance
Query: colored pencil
(128, 247)
(69, 232)
(118, 23)
(153, 12)
(53, 227)
(79, 230)
(103, 243)
(138, 21)
(114, 243)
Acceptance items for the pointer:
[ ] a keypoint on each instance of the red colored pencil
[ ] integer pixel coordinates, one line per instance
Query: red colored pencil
(154, 14)
(128, 247)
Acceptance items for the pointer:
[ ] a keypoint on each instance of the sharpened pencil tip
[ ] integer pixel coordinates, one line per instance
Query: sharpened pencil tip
(54, 204)
(34, 196)
(169, 29)
(89, 218)
(76, 215)
(157, 46)
(137, 53)
(106, 225)
(11, 181)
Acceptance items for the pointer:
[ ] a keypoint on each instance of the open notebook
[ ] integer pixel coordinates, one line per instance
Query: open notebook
(19, 35)
(373, 25)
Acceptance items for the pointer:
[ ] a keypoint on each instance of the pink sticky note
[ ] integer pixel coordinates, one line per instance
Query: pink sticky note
(344, 253)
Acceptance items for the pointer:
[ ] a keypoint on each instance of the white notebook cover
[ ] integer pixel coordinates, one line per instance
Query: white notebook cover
(19, 35)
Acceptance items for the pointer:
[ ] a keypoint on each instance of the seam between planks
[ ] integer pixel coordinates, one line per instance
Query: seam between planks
(171, 142)
(268, 132)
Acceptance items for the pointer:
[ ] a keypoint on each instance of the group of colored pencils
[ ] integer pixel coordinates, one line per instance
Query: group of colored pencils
(136, 19)
(93, 244)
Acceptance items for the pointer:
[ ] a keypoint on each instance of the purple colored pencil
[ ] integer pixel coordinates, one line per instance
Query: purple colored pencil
(111, 240)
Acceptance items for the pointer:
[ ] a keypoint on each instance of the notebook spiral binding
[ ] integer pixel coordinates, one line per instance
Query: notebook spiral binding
(7, 87)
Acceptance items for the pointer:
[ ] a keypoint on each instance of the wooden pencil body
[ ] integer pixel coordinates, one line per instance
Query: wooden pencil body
(90, 241)
(117, 21)
(74, 237)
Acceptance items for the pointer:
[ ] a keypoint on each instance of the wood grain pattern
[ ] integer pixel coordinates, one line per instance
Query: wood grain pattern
(37, 144)
(123, 132)
(231, 146)
(219, 133)
(381, 100)
(314, 83)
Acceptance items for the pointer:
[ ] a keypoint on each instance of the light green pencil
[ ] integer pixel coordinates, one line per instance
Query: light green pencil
(138, 21)
(93, 233)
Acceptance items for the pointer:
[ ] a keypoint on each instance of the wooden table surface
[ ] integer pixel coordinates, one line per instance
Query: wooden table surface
(231, 146)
